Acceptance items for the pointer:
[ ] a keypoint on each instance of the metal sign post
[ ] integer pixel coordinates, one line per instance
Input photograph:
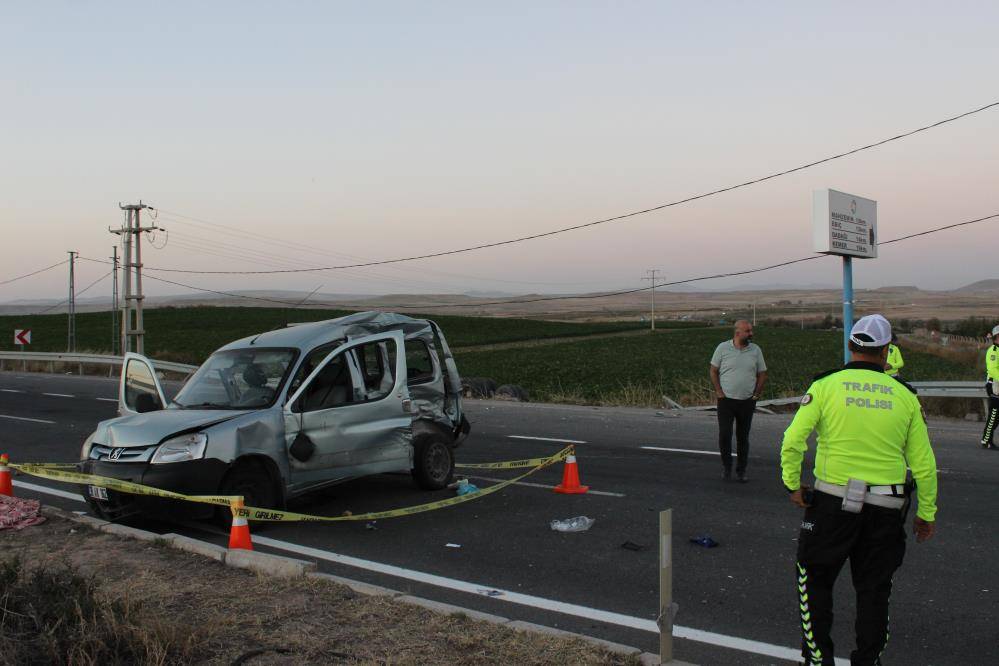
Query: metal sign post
(846, 225)
(847, 306)
(666, 608)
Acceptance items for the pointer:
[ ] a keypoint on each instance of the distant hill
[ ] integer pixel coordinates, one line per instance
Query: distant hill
(981, 285)
(896, 289)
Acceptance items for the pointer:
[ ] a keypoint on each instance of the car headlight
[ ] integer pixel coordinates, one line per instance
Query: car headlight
(87, 444)
(179, 449)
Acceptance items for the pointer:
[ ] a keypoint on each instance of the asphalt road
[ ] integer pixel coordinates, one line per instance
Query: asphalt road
(511, 563)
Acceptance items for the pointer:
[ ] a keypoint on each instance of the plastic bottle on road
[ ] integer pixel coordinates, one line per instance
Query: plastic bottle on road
(577, 524)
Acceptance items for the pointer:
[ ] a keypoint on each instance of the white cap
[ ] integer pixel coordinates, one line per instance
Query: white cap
(875, 329)
(995, 331)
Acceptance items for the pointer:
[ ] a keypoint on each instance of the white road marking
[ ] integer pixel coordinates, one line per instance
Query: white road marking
(24, 418)
(108, 399)
(60, 395)
(663, 448)
(541, 485)
(547, 439)
(642, 624)
(11, 391)
(51, 491)
(609, 617)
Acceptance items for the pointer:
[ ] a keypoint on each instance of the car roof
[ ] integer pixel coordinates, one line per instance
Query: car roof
(309, 335)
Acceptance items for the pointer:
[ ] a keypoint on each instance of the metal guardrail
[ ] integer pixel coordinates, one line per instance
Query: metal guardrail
(950, 389)
(88, 359)
(930, 389)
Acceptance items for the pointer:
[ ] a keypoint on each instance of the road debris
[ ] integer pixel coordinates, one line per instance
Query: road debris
(577, 524)
(705, 541)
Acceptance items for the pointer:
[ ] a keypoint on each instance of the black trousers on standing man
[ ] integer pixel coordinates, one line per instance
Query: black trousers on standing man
(874, 542)
(741, 413)
(991, 417)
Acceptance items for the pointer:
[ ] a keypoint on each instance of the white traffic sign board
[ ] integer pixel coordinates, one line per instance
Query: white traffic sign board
(22, 336)
(844, 224)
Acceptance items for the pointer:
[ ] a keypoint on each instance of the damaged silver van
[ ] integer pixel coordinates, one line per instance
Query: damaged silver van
(279, 414)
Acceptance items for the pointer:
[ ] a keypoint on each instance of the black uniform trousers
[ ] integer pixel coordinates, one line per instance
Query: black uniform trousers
(741, 412)
(874, 542)
(992, 416)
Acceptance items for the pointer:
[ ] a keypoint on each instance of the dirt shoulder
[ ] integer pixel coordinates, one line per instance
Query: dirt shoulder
(183, 608)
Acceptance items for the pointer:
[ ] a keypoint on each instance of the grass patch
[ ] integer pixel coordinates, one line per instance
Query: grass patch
(55, 615)
(639, 370)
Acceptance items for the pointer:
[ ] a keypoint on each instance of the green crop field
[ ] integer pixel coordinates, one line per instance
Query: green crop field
(625, 370)
(639, 370)
(189, 335)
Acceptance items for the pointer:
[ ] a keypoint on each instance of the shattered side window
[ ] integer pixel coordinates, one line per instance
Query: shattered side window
(419, 364)
(332, 387)
(376, 367)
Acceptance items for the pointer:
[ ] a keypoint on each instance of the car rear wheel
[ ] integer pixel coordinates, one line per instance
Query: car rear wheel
(433, 461)
(252, 481)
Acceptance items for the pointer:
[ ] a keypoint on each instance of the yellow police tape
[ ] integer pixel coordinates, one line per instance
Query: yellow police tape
(55, 472)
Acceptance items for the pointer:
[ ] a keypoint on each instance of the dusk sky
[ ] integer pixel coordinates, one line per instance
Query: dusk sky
(378, 130)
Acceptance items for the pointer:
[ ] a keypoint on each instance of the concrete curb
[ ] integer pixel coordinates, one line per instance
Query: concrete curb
(131, 532)
(267, 564)
(366, 589)
(287, 567)
(195, 546)
(450, 609)
(616, 648)
(83, 519)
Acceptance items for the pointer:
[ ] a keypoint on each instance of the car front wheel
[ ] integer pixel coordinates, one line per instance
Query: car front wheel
(252, 481)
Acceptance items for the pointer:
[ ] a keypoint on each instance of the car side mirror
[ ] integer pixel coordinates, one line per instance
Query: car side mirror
(146, 402)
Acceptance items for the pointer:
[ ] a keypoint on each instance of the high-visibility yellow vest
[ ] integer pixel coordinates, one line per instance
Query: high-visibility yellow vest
(869, 426)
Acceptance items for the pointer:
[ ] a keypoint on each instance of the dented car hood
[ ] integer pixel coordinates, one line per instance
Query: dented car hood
(154, 427)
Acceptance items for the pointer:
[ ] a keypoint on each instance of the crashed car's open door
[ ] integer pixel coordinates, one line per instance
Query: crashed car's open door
(351, 416)
(139, 389)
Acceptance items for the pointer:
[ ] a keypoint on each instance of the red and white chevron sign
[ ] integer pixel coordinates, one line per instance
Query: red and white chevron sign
(22, 336)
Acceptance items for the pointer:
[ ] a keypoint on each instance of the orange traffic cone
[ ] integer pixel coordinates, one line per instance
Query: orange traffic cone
(570, 478)
(239, 536)
(6, 487)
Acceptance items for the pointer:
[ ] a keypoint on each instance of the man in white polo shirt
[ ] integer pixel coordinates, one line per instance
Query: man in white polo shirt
(738, 374)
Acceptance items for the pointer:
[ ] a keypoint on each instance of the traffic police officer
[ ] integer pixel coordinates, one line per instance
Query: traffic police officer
(869, 426)
(895, 361)
(992, 389)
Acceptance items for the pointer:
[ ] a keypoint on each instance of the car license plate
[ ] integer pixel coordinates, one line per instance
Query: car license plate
(98, 493)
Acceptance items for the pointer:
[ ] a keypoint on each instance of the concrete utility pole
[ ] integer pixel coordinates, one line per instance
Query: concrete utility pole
(652, 276)
(71, 323)
(132, 329)
(114, 302)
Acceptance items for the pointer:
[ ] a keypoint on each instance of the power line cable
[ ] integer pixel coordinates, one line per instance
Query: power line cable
(263, 259)
(66, 300)
(231, 230)
(40, 270)
(689, 280)
(224, 293)
(539, 299)
(585, 225)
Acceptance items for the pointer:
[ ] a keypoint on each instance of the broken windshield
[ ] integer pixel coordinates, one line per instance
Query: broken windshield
(237, 379)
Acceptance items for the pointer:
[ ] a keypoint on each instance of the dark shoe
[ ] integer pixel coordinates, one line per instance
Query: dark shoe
(742, 478)
(985, 444)
(727, 475)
